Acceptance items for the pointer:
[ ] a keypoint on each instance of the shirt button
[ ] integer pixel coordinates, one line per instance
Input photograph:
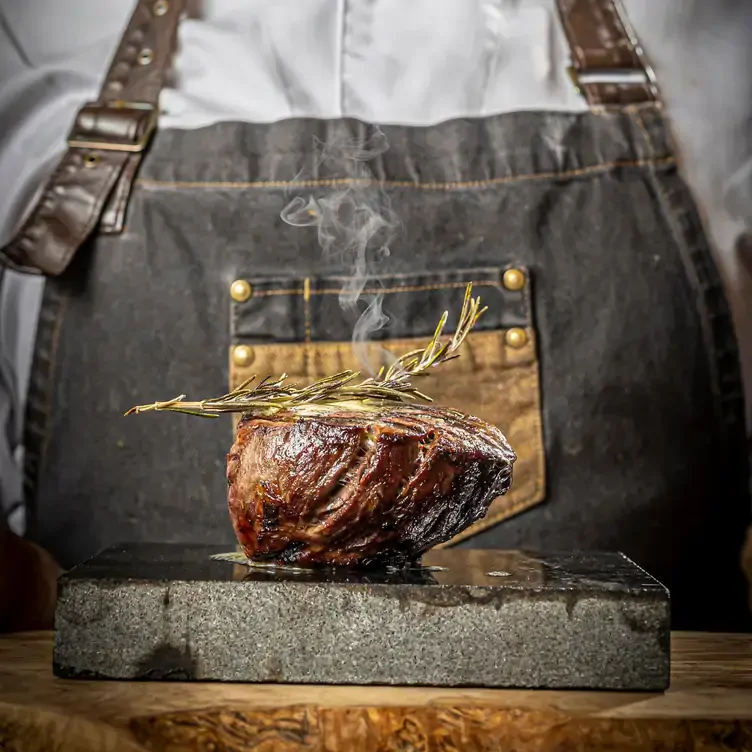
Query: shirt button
(242, 355)
(514, 279)
(516, 337)
(240, 291)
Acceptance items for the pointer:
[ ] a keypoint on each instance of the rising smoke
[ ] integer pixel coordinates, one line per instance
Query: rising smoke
(355, 225)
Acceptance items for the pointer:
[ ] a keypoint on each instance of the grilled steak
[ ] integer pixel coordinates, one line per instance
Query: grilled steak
(357, 488)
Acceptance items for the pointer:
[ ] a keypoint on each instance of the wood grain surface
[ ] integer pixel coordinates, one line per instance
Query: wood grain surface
(708, 707)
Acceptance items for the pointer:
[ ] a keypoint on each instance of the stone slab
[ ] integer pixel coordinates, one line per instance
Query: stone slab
(466, 618)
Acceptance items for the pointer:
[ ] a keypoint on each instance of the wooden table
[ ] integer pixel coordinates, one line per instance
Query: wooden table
(709, 706)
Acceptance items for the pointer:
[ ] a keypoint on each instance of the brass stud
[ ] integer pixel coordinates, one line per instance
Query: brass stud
(160, 7)
(242, 355)
(91, 160)
(516, 337)
(514, 279)
(240, 291)
(145, 56)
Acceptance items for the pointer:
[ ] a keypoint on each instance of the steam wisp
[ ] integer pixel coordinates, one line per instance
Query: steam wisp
(355, 226)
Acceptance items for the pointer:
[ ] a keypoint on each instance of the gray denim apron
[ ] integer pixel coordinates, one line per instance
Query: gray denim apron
(607, 354)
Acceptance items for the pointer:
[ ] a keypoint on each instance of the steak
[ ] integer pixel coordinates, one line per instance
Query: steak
(355, 488)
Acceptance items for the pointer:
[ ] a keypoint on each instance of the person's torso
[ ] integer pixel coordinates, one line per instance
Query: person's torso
(609, 363)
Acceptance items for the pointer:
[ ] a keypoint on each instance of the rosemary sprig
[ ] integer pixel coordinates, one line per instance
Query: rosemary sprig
(340, 391)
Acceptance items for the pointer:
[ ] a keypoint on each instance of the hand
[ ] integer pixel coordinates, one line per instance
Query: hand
(28, 584)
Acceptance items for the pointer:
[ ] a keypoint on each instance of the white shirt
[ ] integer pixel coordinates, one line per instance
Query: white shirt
(413, 62)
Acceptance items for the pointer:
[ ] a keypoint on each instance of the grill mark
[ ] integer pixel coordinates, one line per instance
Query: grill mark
(416, 466)
(345, 496)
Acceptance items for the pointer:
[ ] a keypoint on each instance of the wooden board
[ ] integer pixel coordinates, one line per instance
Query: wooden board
(709, 706)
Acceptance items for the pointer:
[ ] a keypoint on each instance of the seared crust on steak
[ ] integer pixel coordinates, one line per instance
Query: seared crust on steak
(359, 488)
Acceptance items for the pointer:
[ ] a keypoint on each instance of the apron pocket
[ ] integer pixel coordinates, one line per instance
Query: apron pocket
(297, 326)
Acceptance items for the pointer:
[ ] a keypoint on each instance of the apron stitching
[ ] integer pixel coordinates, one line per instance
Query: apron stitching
(285, 347)
(526, 300)
(54, 347)
(465, 273)
(538, 492)
(375, 290)
(333, 182)
(540, 482)
(307, 313)
(35, 460)
(672, 214)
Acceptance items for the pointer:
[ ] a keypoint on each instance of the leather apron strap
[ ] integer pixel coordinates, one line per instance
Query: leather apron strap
(608, 65)
(92, 182)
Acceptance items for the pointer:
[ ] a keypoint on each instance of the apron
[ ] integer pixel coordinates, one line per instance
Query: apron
(607, 354)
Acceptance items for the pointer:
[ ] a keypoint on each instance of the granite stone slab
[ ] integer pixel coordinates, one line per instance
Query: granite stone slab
(466, 618)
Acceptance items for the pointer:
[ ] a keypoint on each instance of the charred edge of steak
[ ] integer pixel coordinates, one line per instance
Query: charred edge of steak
(362, 489)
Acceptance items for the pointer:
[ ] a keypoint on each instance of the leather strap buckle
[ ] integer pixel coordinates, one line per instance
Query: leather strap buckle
(89, 191)
(609, 67)
(624, 76)
(114, 126)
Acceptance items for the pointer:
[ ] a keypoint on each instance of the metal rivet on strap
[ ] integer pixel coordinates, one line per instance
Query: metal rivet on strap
(516, 337)
(145, 56)
(242, 355)
(240, 291)
(91, 160)
(160, 7)
(514, 279)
